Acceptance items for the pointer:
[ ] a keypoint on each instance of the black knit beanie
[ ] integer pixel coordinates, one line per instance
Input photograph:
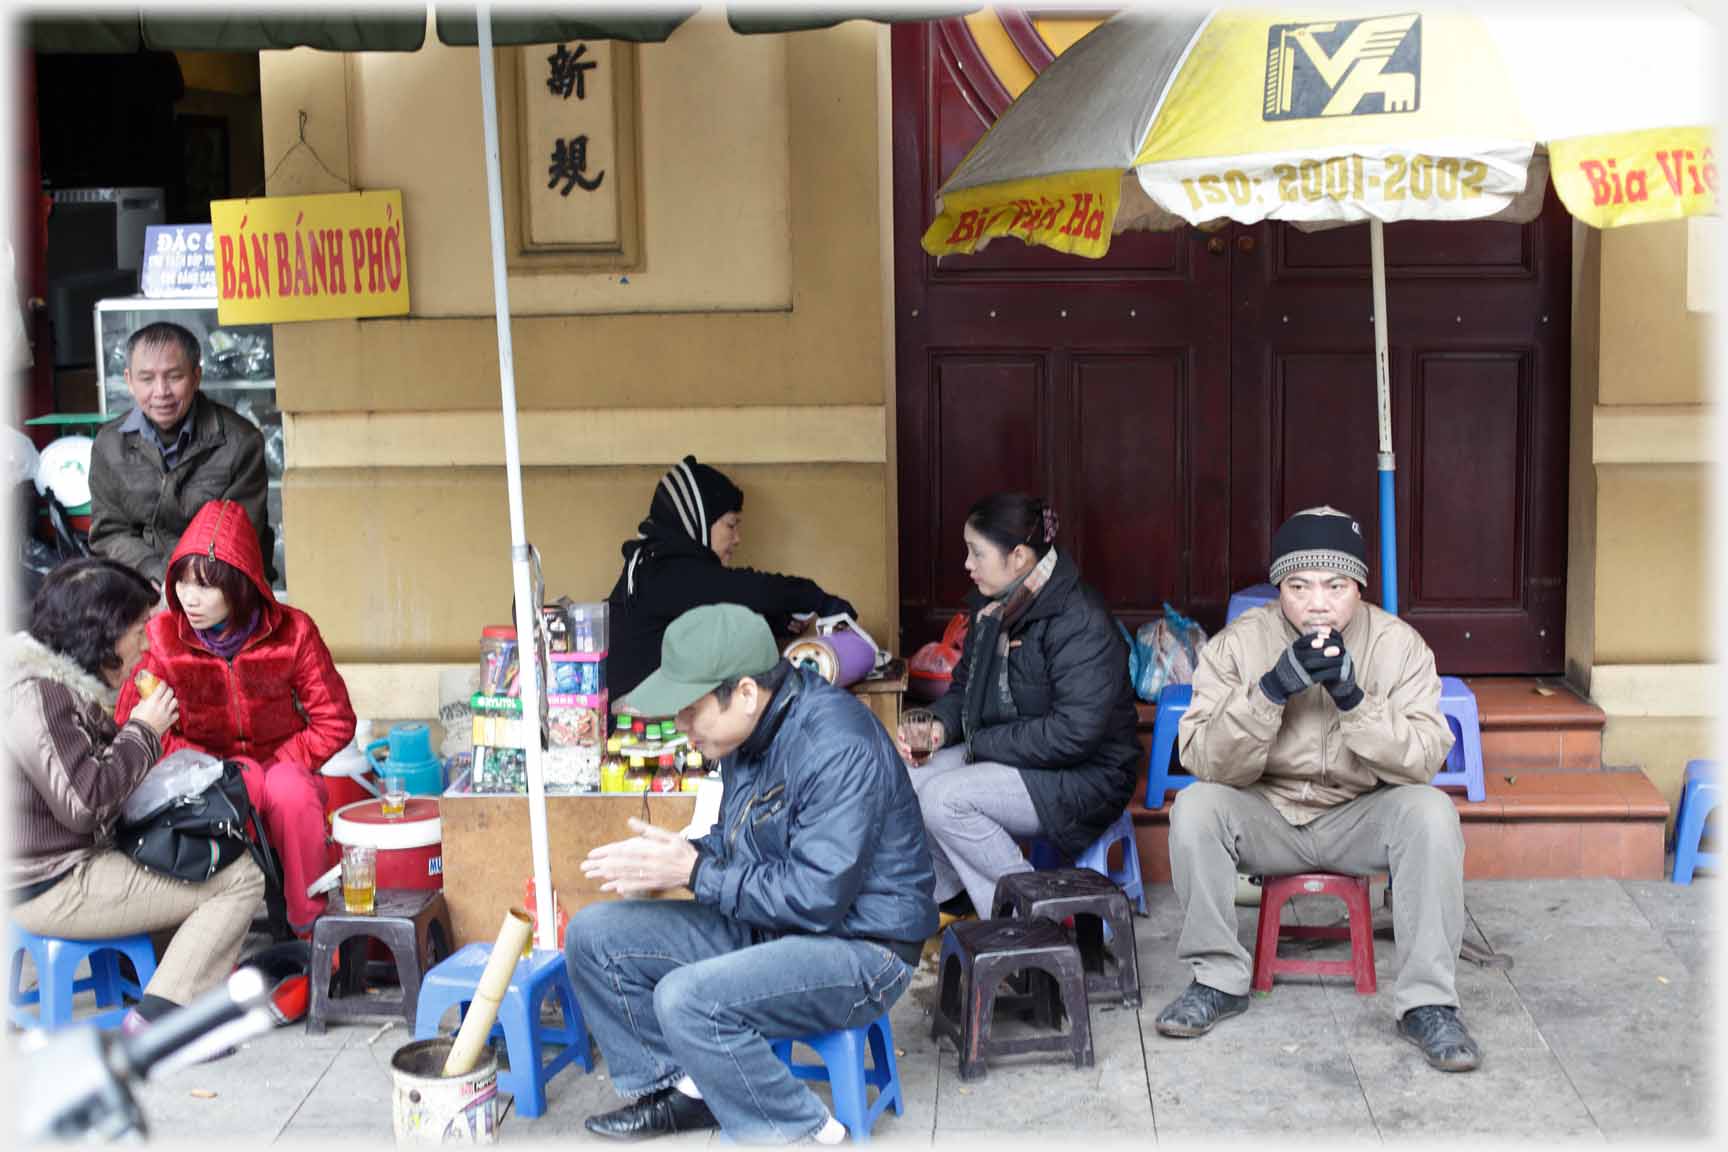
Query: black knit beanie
(1320, 538)
(691, 497)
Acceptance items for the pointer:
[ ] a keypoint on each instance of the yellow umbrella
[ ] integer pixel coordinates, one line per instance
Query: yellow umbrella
(1332, 116)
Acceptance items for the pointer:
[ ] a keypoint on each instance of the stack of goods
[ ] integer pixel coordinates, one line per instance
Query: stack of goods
(576, 704)
(576, 696)
(650, 756)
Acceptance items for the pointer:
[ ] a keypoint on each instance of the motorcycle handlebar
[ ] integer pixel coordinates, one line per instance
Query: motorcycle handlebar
(242, 992)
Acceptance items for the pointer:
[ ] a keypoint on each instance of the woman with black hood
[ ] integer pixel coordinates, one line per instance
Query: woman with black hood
(681, 559)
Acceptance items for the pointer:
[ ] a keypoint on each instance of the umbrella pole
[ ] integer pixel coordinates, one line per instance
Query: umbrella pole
(527, 610)
(1383, 405)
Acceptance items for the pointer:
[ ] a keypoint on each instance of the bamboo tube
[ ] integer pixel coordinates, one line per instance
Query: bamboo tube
(513, 935)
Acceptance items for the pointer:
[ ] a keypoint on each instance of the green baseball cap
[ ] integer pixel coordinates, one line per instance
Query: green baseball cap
(701, 649)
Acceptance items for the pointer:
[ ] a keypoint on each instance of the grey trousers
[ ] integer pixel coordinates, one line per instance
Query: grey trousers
(1410, 831)
(972, 815)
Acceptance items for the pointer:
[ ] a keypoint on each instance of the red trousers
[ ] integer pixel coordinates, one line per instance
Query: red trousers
(290, 798)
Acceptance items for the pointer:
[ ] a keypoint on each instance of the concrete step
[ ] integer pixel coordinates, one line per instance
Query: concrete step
(1537, 825)
(1529, 724)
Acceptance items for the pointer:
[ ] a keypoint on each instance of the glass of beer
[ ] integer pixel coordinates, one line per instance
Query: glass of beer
(918, 726)
(359, 878)
(395, 798)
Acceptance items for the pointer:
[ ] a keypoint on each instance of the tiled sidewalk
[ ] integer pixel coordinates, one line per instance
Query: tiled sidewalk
(1603, 1028)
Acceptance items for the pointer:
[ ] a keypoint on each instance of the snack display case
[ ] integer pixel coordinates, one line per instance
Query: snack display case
(239, 365)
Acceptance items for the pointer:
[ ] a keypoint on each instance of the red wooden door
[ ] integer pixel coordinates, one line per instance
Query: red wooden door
(1178, 398)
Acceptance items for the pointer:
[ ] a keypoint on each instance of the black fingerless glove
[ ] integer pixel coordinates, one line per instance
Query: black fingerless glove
(1345, 691)
(1285, 678)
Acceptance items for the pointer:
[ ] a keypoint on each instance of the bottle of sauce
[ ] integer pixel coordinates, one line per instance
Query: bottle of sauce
(666, 777)
(694, 770)
(638, 778)
(612, 767)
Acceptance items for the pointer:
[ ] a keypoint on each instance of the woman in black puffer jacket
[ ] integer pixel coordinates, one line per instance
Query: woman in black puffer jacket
(1037, 729)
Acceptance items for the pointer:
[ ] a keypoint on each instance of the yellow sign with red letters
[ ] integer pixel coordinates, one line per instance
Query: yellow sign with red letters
(286, 258)
(1636, 177)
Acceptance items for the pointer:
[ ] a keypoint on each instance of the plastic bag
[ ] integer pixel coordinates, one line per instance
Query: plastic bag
(931, 669)
(178, 775)
(1165, 651)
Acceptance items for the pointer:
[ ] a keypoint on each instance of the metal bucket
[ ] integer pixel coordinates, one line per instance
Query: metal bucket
(431, 1108)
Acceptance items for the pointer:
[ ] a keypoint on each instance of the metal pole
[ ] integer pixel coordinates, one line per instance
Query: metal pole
(1383, 404)
(526, 609)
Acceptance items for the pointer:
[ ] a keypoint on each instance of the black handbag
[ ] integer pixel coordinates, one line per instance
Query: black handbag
(197, 836)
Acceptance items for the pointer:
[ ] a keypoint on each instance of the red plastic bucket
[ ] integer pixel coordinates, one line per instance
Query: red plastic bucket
(410, 847)
(347, 780)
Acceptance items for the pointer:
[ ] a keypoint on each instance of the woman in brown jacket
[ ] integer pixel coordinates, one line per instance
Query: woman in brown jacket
(71, 770)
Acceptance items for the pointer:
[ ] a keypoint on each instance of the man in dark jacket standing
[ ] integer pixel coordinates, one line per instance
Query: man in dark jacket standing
(682, 559)
(812, 896)
(151, 470)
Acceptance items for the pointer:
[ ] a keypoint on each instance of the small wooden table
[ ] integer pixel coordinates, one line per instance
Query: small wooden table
(883, 692)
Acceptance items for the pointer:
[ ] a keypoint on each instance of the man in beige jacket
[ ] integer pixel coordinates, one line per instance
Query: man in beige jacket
(1314, 732)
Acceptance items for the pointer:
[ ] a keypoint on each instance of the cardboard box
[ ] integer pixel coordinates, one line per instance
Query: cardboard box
(487, 853)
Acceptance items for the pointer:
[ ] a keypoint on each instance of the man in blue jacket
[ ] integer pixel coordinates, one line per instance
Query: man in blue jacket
(813, 896)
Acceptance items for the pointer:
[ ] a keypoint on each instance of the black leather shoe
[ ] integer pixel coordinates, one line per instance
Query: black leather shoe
(657, 1114)
(1442, 1037)
(1198, 1008)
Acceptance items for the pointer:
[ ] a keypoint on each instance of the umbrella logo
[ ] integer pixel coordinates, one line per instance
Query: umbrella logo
(1343, 67)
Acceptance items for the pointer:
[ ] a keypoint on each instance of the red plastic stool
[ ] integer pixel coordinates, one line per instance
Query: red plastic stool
(1275, 891)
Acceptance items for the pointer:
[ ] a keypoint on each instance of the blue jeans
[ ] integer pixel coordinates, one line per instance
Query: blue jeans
(674, 987)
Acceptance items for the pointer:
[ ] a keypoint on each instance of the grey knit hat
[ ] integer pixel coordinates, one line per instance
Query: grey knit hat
(1321, 538)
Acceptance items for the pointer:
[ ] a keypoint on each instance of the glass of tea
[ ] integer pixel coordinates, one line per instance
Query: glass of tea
(918, 728)
(395, 799)
(359, 878)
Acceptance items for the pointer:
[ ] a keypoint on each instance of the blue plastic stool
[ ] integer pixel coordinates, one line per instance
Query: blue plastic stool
(1699, 797)
(454, 982)
(1250, 597)
(1097, 858)
(843, 1054)
(57, 961)
(1173, 700)
(1464, 762)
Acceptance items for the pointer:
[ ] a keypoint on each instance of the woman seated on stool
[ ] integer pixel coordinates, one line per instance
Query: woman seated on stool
(256, 684)
(682, 559)
(72, 769)
(1040, 714)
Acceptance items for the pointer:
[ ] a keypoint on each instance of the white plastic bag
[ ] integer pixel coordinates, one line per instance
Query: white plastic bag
(178, 775)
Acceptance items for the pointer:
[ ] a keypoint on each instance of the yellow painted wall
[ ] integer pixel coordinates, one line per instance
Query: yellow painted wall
(764, 290)
(1654, 581)
(1643, 472)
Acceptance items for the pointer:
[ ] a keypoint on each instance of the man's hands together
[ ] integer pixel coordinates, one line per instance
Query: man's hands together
(650, 861)
(1315, 658)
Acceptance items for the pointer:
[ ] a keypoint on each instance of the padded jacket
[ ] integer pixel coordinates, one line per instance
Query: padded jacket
(1067, 718)
(279, 698)
(819, 830)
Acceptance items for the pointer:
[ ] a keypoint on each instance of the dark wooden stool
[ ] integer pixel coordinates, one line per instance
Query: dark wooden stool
(977, 955)
(1093, 902)
(412, 922)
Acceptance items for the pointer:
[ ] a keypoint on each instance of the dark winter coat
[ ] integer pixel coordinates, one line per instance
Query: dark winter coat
(666, 573)
(819, 829)
(138, 510)
(1067, 721)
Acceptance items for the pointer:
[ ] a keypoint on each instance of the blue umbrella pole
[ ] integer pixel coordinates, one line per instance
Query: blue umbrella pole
(1383, 406)
(1388, 542)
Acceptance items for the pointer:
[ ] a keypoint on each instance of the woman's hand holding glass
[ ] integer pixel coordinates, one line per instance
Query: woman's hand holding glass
(920, 735)
(158, 711)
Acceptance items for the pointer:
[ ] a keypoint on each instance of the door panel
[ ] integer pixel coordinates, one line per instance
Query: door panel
(987, 420)
(1127, 517)
(1180, 397)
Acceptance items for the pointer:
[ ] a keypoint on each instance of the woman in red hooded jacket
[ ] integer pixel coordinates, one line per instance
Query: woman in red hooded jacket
(256, 684)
